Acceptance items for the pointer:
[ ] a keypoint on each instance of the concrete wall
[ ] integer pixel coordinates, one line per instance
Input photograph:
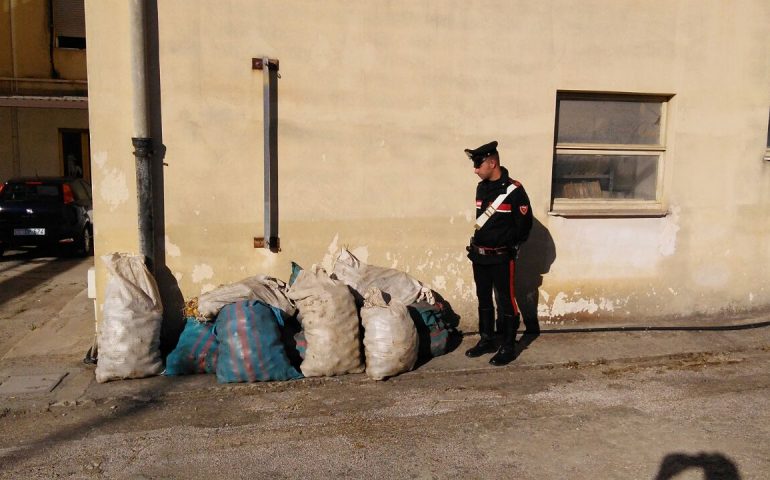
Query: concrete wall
(28, 20)
(35, 70)
(39, 137)
(377, 101)
(6, 144)
(30, 37)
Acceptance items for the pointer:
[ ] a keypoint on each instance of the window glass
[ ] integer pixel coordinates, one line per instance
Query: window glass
(609, 122)
(86, 187)
(24, 192)
(79, 191)
(605, 176)
(609, 150)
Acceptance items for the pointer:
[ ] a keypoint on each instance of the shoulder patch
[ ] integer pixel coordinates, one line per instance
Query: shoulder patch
(516, 182)
(523, 209)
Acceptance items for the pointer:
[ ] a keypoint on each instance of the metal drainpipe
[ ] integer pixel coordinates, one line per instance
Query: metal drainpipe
(141, 141)
(14, 66)
(15, 153)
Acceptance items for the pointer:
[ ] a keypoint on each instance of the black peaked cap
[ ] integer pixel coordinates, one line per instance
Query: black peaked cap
(482, 152)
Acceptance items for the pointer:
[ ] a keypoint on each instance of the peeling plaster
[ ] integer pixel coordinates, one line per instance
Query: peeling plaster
(562, 305)
(99, 158)
(202, 272)
(207, 288)
(171, 249)
(178, 276)
(114, 188)
(439, 282)
(599, 249)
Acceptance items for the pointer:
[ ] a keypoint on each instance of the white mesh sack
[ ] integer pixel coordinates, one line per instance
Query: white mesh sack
(390, 338)
(259, 287)
(129, 335)
(360, 276)
(330, 323)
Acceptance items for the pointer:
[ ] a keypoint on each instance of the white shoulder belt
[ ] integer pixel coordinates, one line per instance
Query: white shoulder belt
(492, 208)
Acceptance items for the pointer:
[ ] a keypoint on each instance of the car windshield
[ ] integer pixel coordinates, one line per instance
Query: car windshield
(30, 192)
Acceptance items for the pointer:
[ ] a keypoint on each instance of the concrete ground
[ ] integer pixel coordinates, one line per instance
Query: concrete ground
(578, 405)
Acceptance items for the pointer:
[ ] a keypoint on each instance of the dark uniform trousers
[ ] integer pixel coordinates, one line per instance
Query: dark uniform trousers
(497, 278)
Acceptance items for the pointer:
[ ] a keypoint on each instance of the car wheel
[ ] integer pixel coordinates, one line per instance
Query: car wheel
(84, 246)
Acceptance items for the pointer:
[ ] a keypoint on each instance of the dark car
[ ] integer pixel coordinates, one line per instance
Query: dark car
(48, 212)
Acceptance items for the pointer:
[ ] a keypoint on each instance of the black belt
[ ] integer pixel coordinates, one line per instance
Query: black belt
(487, 251)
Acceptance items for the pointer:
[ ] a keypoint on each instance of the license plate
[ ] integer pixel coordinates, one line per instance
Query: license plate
(28, 231)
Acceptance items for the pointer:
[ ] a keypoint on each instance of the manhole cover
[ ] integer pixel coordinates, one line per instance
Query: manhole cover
(20, 384)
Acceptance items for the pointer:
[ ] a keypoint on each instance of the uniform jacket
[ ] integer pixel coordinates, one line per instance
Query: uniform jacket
(509, 226)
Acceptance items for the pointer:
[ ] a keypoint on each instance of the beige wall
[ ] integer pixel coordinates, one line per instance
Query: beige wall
(6, 57)
(6, 145)
(30, 35)
(24, 30)
(31, 40)
(39, 137)
(377, 102)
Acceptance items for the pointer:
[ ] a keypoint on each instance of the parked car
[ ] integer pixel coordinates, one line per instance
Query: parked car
(47, 211)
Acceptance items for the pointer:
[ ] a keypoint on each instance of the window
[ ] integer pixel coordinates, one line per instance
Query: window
(31, 191)
(74, 153)
(69, 24)
(608, 154)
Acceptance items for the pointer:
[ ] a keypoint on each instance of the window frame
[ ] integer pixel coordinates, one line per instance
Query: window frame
(601, 207)
(767, 147)
(68, 23)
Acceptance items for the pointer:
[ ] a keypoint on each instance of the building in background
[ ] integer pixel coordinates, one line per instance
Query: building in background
(43, 89)
(639, 130)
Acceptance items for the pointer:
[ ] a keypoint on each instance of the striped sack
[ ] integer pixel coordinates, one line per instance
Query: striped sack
(432, 329)
(250, 346)
(196, 351)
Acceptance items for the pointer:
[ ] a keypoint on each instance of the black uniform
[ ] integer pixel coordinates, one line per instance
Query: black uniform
(493, 247)
(493, 252)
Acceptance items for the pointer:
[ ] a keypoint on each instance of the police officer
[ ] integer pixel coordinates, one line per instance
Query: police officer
(501, 226)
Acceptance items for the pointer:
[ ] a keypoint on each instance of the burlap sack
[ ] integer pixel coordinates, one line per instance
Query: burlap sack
(390, 338)
(330, 322)
(397, 284)
(259, 287)
(129, 335)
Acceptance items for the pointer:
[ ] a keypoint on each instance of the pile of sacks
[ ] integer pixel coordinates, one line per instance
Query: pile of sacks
(358, 318)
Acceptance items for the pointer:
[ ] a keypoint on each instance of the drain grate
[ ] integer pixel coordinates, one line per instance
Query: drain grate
(21, 384)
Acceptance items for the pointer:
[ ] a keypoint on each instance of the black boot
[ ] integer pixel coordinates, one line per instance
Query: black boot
(507, 351)
(486, 330)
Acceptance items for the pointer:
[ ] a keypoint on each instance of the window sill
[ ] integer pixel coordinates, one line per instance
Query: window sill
(603, 209)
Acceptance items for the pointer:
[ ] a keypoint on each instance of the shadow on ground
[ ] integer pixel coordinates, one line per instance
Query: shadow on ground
(714, 466)
(45, 268)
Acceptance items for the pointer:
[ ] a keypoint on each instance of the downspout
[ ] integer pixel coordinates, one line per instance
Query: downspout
(14, 66)
(141, 141)
(15, 152)
(52, 42)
